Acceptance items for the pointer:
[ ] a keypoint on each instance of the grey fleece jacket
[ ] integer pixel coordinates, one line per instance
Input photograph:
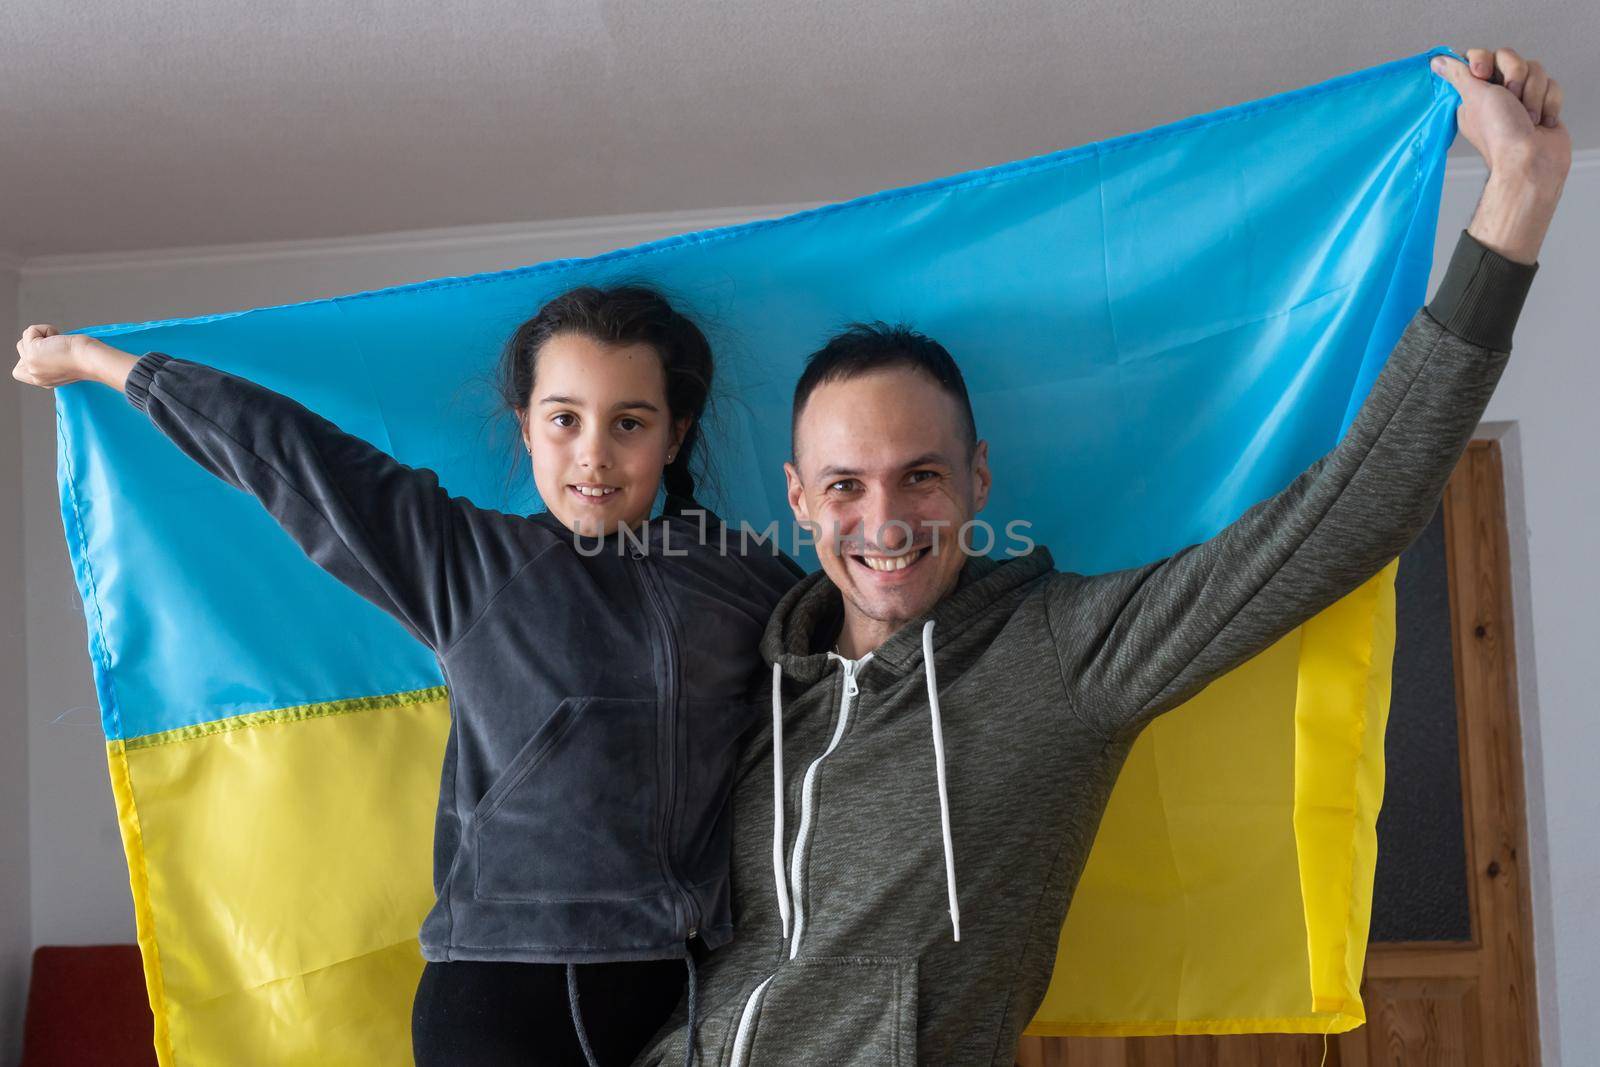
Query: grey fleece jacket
(1044, 679)
(599, 687)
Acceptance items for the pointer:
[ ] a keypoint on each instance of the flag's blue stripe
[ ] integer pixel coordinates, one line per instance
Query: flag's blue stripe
(1157, 330)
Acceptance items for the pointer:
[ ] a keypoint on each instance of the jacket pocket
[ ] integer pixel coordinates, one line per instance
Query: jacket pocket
(838, 1010)
(574, 815)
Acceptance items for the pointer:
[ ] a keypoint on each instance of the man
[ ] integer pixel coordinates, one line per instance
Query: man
(952, 726)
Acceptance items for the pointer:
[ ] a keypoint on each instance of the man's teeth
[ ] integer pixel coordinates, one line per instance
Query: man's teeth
(893, 563)
(587, 490)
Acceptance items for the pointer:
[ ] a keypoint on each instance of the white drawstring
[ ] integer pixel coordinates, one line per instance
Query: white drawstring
(777, 798)
(938, 761)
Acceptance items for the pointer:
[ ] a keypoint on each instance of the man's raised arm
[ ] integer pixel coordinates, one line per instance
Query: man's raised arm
(1137, 642)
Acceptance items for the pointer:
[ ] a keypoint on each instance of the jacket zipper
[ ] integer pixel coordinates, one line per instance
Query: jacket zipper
(741, 1043)
(808, 789)
(690, 918)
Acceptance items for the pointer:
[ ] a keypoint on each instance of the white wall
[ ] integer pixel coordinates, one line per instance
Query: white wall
(1542, 410)
(1549, 399)
(16, 941)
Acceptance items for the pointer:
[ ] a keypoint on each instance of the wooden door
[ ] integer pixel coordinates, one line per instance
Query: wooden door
(1449, 970)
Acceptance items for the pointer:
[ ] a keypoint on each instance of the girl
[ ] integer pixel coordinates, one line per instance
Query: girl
(601, 667)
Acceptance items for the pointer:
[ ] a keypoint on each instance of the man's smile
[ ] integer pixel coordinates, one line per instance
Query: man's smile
(889, 567)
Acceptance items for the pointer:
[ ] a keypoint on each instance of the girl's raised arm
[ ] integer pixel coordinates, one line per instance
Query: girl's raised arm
(387, 530)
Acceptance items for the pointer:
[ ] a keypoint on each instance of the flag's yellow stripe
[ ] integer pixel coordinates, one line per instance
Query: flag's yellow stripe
(1234, 863)
(280, 862)
(139, 882)
(1341, 713)
(280, 870)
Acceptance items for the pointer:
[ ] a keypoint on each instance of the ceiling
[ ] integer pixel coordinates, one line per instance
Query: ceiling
(130, 126)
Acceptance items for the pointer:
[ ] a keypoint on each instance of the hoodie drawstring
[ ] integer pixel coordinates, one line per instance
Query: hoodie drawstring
(694, 1005)
(944, 793)
(780, 882)
(577, 1016)
(583, 1035)
(777, 798)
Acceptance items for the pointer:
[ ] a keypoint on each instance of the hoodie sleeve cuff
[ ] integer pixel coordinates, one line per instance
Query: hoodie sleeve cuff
(1481, 295)
(137, 387)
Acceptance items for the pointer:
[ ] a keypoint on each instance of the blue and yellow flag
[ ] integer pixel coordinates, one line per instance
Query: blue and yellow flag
(1158, 331)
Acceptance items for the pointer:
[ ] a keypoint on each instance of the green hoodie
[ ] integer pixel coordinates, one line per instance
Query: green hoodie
(1033, 684)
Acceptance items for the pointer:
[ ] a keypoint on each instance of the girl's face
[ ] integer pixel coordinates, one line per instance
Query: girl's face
(600, 432)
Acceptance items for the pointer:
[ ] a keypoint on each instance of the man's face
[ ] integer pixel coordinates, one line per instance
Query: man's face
(883, 472)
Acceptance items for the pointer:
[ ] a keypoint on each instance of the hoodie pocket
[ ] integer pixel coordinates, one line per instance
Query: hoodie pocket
(574, 815)
(838, 1010)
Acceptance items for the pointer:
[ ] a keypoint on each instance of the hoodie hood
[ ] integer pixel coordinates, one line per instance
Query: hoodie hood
(807, 620)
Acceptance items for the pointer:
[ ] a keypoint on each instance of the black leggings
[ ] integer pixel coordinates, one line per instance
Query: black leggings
(476, 1014)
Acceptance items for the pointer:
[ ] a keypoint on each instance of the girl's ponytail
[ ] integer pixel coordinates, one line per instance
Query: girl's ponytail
(678, 479)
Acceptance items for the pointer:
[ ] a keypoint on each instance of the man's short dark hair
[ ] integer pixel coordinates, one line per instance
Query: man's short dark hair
(863, 347)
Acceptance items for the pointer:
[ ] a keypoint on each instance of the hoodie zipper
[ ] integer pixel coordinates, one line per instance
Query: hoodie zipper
(689, 917)
(808, 789)
(747, 1019)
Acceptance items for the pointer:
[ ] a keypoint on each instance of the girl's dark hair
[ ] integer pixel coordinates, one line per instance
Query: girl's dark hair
(621, 315)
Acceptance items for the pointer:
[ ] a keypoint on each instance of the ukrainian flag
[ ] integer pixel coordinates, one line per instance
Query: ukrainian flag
(1207, 301)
